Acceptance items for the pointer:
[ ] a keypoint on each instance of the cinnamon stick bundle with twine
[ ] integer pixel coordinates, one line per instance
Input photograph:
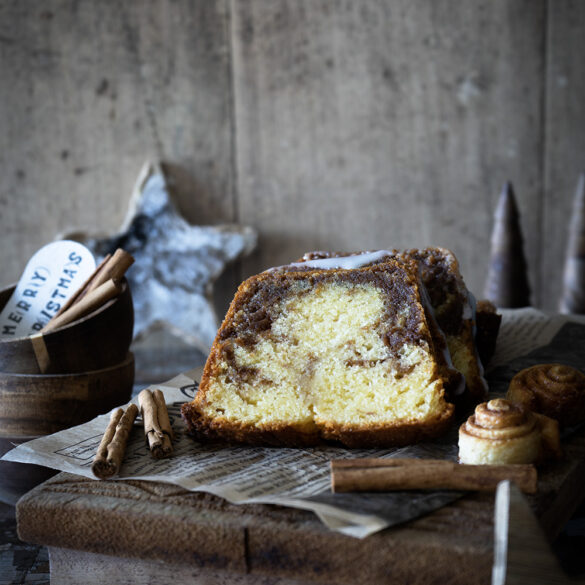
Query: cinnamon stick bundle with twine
(380, 475)
(112, 447)
(157, 426)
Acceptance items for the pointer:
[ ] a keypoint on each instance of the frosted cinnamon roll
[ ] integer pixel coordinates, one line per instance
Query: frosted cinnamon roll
(500, 432)
(555, 390)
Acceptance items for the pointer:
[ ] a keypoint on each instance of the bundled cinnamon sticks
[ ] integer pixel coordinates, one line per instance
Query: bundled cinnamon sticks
(157, 430)
(100, 287)
(157, 426)
(112, 447)
(379, 475)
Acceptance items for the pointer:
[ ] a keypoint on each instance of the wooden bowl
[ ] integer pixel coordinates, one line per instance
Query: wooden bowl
(35, 405)
(96, 341)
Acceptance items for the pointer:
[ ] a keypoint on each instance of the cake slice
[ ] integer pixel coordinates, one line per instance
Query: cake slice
(453, 305)
(347, 353)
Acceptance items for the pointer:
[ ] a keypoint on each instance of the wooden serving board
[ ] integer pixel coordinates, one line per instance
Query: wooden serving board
(136, 531)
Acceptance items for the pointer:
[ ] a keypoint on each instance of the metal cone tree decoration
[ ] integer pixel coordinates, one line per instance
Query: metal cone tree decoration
(507, 280)
(573, 291)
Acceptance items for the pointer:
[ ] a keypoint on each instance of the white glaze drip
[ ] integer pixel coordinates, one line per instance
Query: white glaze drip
(344, 262)
(430, 313)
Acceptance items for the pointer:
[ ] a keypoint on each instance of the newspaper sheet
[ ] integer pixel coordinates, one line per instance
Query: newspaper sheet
(300, 478)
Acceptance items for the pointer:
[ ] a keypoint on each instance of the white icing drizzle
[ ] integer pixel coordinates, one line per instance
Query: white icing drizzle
(430, 313)
(468, 307)
(344, 262)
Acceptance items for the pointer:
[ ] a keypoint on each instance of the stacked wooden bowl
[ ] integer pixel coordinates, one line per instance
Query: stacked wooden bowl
(90, 370)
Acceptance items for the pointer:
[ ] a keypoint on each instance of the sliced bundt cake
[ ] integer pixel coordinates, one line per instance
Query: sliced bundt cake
(343, 349)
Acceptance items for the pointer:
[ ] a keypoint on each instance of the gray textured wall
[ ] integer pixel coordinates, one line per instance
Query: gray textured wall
(324, 124)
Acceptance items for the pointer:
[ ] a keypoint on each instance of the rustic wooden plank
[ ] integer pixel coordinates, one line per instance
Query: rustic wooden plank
(90, 90)
(386, 123)
(73, 567)
(156, 522)
(565, 136)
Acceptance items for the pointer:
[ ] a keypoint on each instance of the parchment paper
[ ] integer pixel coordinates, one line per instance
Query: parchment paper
(300, 478)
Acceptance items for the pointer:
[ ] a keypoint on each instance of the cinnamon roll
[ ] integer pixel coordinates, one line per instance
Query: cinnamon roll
(501, 432)
(555, 390)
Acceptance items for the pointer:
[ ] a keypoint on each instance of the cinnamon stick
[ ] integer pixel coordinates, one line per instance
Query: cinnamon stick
(111, 450)
(162, 412)
(380, 475)
(113, 269)
(82, 290)
(90, 302)
(157, 426)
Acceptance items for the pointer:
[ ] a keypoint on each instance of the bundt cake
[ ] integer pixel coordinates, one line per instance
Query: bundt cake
(343, 349)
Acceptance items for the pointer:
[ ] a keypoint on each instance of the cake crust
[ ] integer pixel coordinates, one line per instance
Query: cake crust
(286, 435)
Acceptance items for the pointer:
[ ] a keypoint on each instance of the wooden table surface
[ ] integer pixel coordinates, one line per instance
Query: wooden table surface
(162, 530)
(110, 526)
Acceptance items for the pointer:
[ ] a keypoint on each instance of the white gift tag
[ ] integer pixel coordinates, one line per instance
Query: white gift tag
(51, 276)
